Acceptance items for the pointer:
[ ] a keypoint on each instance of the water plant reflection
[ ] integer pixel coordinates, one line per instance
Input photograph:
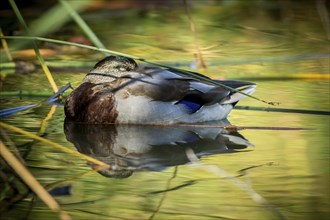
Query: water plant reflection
(129, 148)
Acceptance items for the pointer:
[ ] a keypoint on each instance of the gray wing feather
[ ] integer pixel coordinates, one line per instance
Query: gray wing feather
(164, 85)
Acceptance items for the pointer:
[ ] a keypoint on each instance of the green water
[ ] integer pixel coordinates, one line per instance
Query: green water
(292, 169)
(285, 175)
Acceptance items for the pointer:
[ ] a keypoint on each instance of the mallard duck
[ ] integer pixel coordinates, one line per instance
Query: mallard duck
(118, 90)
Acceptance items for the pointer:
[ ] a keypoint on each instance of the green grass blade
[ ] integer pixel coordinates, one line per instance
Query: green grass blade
(71, 44)
(51, 21)
(82, 24)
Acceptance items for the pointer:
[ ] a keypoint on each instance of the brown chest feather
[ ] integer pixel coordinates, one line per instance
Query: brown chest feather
(91, 103)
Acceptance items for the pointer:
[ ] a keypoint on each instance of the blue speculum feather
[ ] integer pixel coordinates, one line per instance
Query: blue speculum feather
(192, 106)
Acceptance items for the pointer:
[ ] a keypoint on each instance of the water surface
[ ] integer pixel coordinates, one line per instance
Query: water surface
(250, 174)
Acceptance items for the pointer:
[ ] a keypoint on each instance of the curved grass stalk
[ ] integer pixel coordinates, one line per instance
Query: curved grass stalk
(71, 44)
(186, 72)
(34, 185)
(36, 49)
(53, 144)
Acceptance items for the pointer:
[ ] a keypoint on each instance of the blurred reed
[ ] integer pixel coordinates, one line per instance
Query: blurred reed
(35, 46)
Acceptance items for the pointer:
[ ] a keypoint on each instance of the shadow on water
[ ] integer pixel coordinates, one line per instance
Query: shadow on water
(130, 148)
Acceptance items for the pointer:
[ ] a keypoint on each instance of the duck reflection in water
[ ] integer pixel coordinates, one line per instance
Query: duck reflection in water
(129, 148)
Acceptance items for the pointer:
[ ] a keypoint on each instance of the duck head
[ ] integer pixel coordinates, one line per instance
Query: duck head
(110, 68)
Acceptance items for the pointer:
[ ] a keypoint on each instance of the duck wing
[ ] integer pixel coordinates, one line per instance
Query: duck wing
(205, 94)
(169, 86)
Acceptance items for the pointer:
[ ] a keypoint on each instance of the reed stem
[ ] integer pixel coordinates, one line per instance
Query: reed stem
(34, 185)
(35, 46)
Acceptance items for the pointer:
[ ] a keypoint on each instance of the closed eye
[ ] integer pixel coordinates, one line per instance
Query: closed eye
(121, 68)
